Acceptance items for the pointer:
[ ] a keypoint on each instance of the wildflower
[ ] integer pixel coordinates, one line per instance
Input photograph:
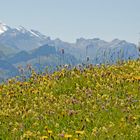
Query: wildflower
(79, 132)
(28, 134)
(95, 131)
(44, 137)
(137, 78)
(14, 130)
(49, 132)
(67, 136)
(46, 127)
(104, 129)
(87, 120)
(61, 135)
(111, 124)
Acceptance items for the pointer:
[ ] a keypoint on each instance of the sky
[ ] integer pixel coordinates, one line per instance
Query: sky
(72, 19)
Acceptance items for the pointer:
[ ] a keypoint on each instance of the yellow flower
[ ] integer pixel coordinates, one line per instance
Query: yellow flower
(50, 132)
(95, 131)
(104, 129)
(46, 127)
(44, 137)
(137, 77)
(14, 130)
(29, 133)
(87, 120)
(79, 132)
(67, 136)
(111, 124)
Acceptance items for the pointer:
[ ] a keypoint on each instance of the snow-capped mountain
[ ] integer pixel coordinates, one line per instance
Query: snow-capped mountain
(22, 46)
(21, 38)
(3, 28)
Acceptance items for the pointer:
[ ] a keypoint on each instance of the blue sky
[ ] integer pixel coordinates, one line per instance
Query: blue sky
(72, 19)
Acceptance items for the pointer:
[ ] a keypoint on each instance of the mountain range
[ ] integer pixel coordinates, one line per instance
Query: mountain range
(20, 46)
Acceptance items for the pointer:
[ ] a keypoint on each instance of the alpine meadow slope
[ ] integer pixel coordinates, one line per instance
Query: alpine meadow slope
(100, 102)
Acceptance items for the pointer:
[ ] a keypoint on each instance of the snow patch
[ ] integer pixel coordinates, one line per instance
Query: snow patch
(3, 28)
(34, 33)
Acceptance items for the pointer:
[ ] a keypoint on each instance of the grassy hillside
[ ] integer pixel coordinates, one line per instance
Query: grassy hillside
(85, 104)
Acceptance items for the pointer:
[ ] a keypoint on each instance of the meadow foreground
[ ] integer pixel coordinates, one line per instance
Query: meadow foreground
(79, 104)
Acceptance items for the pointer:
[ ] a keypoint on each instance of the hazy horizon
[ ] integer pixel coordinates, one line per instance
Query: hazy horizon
(69, 20)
